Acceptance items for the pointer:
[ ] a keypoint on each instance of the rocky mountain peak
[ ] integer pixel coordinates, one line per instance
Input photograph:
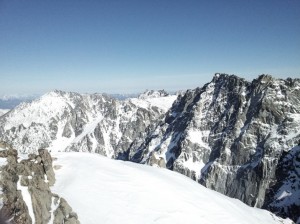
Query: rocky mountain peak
(265, 77)
(221, 77)
(58, 92)
(229, 135)
(228, 83)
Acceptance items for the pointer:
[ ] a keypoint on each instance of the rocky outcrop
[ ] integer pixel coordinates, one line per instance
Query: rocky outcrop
(27, 197)
(14, 208)
(229, 135)
(64, 213)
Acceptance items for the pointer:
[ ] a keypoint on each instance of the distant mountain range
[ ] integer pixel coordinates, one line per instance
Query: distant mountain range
(9, 102)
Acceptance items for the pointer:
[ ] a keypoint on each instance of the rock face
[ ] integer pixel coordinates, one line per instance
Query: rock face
(26, 193)
(229, 135)
(62, 121)
(284, 196)
(14, 208)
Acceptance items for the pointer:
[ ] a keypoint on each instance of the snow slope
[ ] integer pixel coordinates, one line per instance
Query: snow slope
(101, 190)
(163, 103)
(3, 111)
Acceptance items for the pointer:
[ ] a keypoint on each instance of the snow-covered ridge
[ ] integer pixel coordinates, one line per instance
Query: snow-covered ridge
(68, 121)
(162, 102)
(124, 192)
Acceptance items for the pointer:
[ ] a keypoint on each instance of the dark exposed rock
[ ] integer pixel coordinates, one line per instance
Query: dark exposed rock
(64, 213)
(13, 203)
(46, 161)
(37, 175)
(67, 132)
(283, 196)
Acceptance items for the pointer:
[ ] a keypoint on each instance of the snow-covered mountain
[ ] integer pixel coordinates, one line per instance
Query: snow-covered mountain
(231, 135)
(64, 121)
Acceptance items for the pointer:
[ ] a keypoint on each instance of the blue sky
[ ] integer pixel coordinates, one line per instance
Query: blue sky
(120, 46)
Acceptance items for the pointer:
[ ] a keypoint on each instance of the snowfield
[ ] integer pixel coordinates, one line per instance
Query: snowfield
(102, 190)
(163, 103)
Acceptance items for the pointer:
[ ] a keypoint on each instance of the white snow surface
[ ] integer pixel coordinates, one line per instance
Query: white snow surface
(102, 190)
(3, 111)
(284, 194)
(163, 103)
(196, 136)
(27, 199)
(2, 160)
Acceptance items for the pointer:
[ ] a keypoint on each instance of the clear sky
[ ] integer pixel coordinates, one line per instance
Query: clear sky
(127, 46)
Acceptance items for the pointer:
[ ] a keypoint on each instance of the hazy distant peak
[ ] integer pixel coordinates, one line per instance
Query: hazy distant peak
(18, 97)
(11, 101)
(125, 96)
(153, 94)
